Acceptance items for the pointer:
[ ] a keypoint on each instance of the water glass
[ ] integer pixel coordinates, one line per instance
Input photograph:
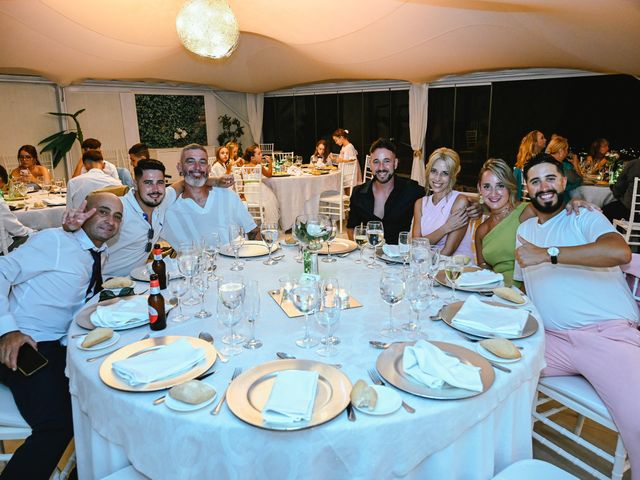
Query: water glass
(178, 285)
(328, 317)
(210, 243)
(269, 232)
(306, 298)
(404, 246)
(231, 292)
(332, 237)
(392, 289)
(252, 311)
(419, 297)
(434, 267)
(375, 237)
(360, 237)
(188, 265)
(201, 282)
(236, 240)
(420, 253)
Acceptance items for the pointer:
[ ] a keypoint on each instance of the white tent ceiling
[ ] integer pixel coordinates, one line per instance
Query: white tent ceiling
(294, 42)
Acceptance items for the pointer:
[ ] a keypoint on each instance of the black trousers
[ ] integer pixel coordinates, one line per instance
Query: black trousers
(45, 403)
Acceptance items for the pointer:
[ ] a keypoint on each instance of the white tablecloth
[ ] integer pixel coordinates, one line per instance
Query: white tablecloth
(599, 195)
(40, 218)
(472, 438)
(298, 195)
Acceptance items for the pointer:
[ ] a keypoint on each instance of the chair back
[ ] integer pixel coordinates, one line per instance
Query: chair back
(248, 186)
(283, 155)
(266, 148)
(348, 176)
(117, 190)
(367, 174)
(4, 242)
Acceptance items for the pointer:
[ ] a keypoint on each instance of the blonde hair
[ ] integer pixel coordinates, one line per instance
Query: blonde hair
(451, 159)
(556, 144)
(527, 148)
(503, 173)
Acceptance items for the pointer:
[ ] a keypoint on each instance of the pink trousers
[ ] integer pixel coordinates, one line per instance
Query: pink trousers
(607, 354)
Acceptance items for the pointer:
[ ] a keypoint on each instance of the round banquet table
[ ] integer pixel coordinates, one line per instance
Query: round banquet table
(472, 438)
(41, 218)
(301, 194)
(599, 195)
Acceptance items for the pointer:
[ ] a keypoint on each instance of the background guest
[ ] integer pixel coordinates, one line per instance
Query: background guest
(95, 144)
(15, 233)
(4, 179)
(558, 148)
(596, 159)
(321, 156)
(348, 152)
(253, 157)
(623, 192)
(234, 160)
(95, 179)
(222, 165)
(137, 152)
(532, 144)
(30, 169)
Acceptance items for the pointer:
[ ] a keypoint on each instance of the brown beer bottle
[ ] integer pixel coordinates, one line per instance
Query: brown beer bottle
(157, 316)
(159, 267)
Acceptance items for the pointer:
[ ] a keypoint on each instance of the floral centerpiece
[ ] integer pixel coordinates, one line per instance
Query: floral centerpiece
(312, 231)
(614, 166)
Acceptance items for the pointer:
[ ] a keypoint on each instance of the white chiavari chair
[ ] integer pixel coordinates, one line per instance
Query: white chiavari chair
(631, 226)
(248, 186)
(336, 204)
(266, 148)
(367, 174)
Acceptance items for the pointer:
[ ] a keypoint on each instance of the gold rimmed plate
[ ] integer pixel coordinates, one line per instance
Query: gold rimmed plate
(449, 311)
(83, 317)
(441, 278)
(111, 379)
(248, 394)
(339, 245)
(290, 309)
(250, 248)
(389, 365)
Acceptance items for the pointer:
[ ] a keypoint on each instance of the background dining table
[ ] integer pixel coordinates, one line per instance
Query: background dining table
(300, 194)
(39, 218)
(599, 195)
(472, 438)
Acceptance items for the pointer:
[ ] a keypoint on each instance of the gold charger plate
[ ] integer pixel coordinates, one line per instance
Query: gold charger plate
(339, 245)
(111, 379)
(250, 248)
(83, 317)
(449, 311)
(441, 278)
(248, 394)
(389, 364)
(292, 312)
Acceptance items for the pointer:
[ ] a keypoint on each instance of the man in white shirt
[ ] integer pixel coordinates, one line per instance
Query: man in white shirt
(95, 179)
(12, 232)
(42, 286)
(108, 167)
(202, 209)
(570, 265)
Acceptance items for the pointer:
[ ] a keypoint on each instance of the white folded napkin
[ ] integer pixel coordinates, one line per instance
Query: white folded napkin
(165, 362)
(171, 266)
(121, 313)
(292, 397)
(430, 366)
(479, 277)
(293, 170)
(483, 318)
(391, 250)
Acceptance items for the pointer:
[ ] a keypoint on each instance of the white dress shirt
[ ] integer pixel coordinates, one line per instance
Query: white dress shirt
(127, 248)
(43, 283)
(11, 226)
(109, 168)
(79, 187)
(186, 221)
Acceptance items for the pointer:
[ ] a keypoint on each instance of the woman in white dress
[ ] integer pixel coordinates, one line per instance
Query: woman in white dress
(221, 166)
(321, 157)
(348, 152)
(253, 158)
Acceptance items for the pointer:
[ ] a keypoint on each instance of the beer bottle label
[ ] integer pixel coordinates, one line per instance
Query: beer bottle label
(153, 315)
(155, 289)
(157, 256)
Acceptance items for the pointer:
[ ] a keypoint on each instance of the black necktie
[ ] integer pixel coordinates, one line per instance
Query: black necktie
(95, 284)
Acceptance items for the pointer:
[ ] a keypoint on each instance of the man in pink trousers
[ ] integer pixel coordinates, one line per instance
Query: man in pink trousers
(570, 265)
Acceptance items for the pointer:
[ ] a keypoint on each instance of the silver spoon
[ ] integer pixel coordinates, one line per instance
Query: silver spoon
(379, 345)
(286, 356)
(206, 336)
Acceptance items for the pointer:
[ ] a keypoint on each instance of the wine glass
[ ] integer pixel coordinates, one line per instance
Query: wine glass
(188, 265)
(328, 317)
(392, 290)
(420, 253)
(201, 283)
(306, 298)
(252, 310)
(360, 237)
(211, 246)
(453, 270)
(417, 292)
(269, 232)
(434, 265)
(178, 286)
(404, 246)
(231, 291)
(236, 240)
(332, 237)
(375, 237)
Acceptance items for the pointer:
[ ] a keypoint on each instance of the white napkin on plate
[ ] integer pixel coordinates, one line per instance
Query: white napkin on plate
(121, 313)
(478, 278)
(295, 171)
(391, 250)
(430, 366)
(171, 266)
(292, 397)
(480, 317)
(55, 202)
(165, 362)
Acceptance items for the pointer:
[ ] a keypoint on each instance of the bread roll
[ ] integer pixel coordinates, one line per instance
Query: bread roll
(501, 347)
(97, 336)
(192, 392)
(363, 396)
(510, 295)
(118, 282)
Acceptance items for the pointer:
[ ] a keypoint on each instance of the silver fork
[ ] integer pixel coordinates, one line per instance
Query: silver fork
(237, 371)
(375, 378)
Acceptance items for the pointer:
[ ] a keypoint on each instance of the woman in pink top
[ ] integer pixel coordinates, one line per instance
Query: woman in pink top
(441, 216)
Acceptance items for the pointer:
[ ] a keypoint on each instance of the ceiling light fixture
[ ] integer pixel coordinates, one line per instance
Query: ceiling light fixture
(208, 28)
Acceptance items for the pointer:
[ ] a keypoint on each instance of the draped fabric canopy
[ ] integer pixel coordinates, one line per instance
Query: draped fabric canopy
(418, 109)
(292, 42)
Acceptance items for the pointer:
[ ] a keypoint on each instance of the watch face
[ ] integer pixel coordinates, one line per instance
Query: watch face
(553, 251)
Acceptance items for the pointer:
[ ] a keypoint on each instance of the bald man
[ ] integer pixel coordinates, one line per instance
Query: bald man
(42, 285)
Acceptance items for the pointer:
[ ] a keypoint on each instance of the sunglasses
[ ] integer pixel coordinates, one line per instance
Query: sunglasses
(150, 234)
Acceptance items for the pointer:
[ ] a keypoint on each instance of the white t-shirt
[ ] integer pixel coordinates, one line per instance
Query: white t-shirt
(349, 152)
(11, 226)
(218, 170)
(109, 168)
(186, 221)
(79, 187)
(572, 296)
(127, 248)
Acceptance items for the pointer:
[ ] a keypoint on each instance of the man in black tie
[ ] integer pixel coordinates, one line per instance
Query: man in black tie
(42, 285)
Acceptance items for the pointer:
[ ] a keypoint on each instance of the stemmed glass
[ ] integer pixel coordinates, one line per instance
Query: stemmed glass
(420, 253)
(417, 292)
(404, 246)
(306, 298)
(188, 265)
(360, 237)
(236, 240)
(332, 237)
(434, 265)
(375, 237)
(328, 317)
(211, 247)
(178, 286)
(252, 310)
(201, 283)
(392, 290)
(453, 270)
(330, 287)
(231, 291)
(269, 232)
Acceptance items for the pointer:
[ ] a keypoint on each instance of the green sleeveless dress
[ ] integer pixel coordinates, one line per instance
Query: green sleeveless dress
(499, 245)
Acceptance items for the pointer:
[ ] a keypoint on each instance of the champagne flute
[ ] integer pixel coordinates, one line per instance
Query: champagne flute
(375, 237)
(178, 286)
(201, 283)
(332, 237)
(404, 246)
(392, 289)
(328, 317)
(360, 237)
(252, 310)
(231, 291)
(453, 270)
(236, 240)
(269, 232)
(417, 292)
(434, 265)
(306, 298)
